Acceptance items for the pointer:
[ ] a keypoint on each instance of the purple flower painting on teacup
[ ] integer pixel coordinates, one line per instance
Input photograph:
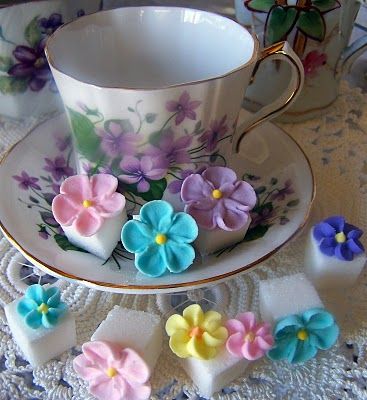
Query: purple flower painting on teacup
(183, 108)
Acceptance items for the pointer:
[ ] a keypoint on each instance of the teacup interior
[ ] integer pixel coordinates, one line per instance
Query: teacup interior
(149, 47)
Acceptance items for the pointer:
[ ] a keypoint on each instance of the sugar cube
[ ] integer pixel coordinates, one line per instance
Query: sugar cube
(138, 330)
(288, 295)
(42, 344)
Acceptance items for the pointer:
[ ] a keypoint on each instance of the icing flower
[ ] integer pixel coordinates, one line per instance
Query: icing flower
(248, 339)
(86, 202)
(337, 238)
(113, 372)
(217, 199)
(195, 333)
(298, 337)
(41, 307)
(160, 239)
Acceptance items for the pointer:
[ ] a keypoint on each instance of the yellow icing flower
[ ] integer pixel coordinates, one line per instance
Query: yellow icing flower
(196, 334)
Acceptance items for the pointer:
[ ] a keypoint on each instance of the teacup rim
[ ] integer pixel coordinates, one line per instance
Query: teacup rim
(53, 66)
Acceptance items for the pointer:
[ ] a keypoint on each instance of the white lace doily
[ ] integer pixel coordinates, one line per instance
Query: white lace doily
(337, 147)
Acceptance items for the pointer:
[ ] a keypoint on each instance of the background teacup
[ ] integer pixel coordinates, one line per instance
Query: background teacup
(319, 32)
(154, 93)
(26, 84)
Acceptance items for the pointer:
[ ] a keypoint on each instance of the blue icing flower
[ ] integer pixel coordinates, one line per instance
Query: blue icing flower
(160, 239)
(41, 306)
(337, 238)
(299, 337)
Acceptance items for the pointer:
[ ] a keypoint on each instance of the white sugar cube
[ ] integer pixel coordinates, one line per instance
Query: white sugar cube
(102, 243)
(210, 376)
(208, 242)
(138, 330)
(288, 295)
(42, 344)
(330, 272)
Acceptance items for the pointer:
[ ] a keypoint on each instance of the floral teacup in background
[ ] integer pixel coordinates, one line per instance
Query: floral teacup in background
(319, 32)
(26, 84)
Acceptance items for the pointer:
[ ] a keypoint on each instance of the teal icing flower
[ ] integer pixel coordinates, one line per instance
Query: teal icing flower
(160, 239)
(41, 306)
(299, 337)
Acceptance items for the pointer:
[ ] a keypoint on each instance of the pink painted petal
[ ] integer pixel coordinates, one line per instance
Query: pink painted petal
(264, 342)
(85, 368)
(190, 114)
(129, 178)
(111, 206)
(234, 326)
(234, 344)
(244, 194)
(203, 219)
(103, 185)
(143, 186)
(134, 367)
(88, 222)
(77, 188)
(248, 319)
(251, 351)
(130, 164)
(108, 389)
(183, 142)
(179, 118)
(64, 210)
(184, 98)
(219, 176)
(194, 104)
(195, 188)
(115, 128)
(171, 106)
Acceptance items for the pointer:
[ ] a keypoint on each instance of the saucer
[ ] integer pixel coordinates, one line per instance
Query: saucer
(34, 168)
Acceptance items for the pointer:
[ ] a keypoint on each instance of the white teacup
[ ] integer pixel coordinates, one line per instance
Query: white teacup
(153, 93)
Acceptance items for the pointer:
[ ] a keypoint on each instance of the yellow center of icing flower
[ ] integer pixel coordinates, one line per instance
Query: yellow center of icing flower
(87, 203)
(161, 238)
(249, 337)
(217, 194)
(302, 334)
(43, 308)
(340, 237)
(111, 372)
(196, 332)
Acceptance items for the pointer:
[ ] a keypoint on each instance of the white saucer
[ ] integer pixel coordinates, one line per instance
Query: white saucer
(274, 162)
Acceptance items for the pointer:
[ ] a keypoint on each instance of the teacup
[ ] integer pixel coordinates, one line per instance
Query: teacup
(154, 93)
(26, 84)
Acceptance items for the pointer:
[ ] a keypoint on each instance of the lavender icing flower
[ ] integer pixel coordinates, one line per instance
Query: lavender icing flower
(141, 171)
(58, 168)
(184, 107)
(217, 199)
(216, 132)
(49, 25)
(26, 181)
(337, 238)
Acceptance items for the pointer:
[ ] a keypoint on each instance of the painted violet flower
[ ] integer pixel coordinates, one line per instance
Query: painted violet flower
(41, 307)
(299, 337)
(58, 168)
(160, 239)
(216, 199)
(113, 372)
(87, 202)
(195, 333)
(141, 171)
(213, 135)
(49, 25)
(26, 181)
(337, 238)
(184, 107)
(247, 339)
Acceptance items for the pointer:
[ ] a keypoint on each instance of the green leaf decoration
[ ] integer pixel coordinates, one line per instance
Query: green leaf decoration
(273, 181)
(259, 209)
(125, 125)
(131, 109)
(33, 33)
(5, 63)
(156, 190)
(13, 85)
(260, 190)
(279, 23)
(65, 245)
(115, 166)
(33, 199)
(150, 118)
(311, 23)
(257, 232)
(260, 5)
(85, 138)
(293, 203)
(326, 5)
(155, 137)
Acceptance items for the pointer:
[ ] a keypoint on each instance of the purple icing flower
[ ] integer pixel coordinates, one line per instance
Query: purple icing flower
(58, 168)
(217, 199)
(26, 181)
(216, 132)
(336, 237)
(117, 141)
(32, 64)
(140, 171)
(171, 151)
(281, 194)
(49, 25)
(184, 107)
(63, 142)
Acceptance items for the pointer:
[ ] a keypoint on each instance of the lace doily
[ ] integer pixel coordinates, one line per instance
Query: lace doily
(336, 145)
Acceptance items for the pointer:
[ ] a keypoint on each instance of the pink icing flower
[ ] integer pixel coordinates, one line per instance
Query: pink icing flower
(113, 373)
(313, 61)
(248, 339)
(86, 202)
(217, 199)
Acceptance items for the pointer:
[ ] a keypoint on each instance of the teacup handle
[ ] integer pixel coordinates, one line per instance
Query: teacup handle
(281, 51)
